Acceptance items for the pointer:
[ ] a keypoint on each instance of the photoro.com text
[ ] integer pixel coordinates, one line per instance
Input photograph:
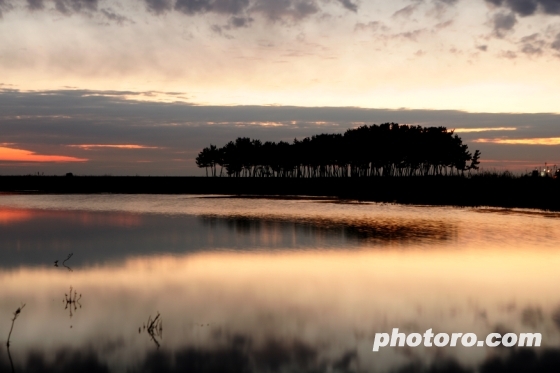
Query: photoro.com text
(429, 339)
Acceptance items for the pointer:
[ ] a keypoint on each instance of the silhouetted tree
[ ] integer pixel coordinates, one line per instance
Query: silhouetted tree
(388, 149)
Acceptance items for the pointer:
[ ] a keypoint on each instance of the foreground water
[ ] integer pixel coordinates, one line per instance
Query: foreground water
(262, 285)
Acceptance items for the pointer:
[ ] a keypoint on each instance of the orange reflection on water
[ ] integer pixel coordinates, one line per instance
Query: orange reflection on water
(85, 218)
(11, 216)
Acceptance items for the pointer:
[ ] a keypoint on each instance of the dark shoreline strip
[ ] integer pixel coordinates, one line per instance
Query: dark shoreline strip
(523, 192)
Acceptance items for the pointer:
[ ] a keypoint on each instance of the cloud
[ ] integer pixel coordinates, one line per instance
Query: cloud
(349, 5)
(21, 155)
(522, 7)
(66, 122)
(484, 129)
(75, 6)
(241, 10)
(556, 43)
(503, 23)
(35, 4)
(537, 141)
(293, 10)
(526, 8)
(411, 35)
(371, 26)
(532, 45)
(159, 6)
(531, 49)
(407, 11)
(509, 55)
(112, 16)
(229, 6)
(237, 22)
(4, 6)
(193, 6)
(122, 146)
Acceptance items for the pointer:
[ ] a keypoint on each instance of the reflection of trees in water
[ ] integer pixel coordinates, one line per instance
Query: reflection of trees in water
(519, 360)
(368, 230)
(62, 361)
(240, 355)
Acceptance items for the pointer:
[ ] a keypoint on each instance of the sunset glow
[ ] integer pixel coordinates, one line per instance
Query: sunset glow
(128, 146)
(541, 141)
(467, 130)
(20, 155)
(175, 76)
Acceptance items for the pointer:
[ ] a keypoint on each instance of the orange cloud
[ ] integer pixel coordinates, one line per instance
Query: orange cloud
(125, 146)
(537, 141)
(485, 129)
(21, 155)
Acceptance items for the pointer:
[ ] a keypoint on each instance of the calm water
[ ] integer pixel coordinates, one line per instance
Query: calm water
(267, 285)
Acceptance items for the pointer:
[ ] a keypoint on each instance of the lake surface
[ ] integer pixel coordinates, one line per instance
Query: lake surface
(269, 285)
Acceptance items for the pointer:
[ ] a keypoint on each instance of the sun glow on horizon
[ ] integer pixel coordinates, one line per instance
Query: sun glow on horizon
(485, 129)
(21, 155)
(116, 146)
(536, 141)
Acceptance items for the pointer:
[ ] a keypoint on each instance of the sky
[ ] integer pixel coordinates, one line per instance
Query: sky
(139, 87)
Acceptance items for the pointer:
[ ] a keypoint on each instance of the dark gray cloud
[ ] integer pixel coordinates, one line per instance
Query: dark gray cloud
(529, 7)
(503, 23)
(47, 122)
(237, 22)
(115, 17)
(294, 10)
(509, 55)
(349, 5)
(69, 7)
(193, 6)
(4, 6)
(531, 49)
(75, 6)
(522, 7)
(532, 44)
(35, 4)
(159, 6)
(556, 43)
(230, 6)
(241, 10)
(407, 11)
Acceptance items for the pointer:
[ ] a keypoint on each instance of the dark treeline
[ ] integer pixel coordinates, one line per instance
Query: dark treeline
(388, 149)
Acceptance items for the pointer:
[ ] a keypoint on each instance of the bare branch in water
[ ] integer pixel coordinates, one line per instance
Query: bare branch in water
(16, 314)
(72, 300)
(63, 263)
(154, 328)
